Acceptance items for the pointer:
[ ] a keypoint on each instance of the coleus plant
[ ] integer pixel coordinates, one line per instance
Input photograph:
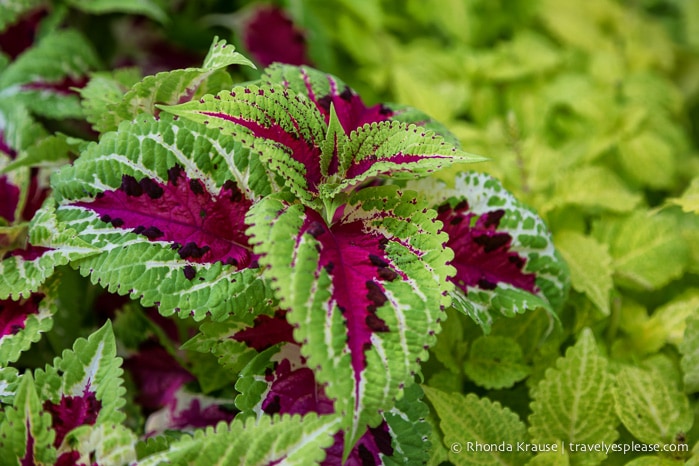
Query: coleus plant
(297, 233)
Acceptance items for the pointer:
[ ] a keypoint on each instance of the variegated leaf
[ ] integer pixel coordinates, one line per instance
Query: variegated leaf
(364, 288)
(169, 87)
(22, 322)
(26, 436)
(285, 128)
(9, 380)
(43, 78)
(189, 411)
(84, 385)
(50, 244)
(100, 444)
(289, 440)
(503, 253)
(278, 381)
(321, 145)
(79, 395)
(164, 201)
(325, 89)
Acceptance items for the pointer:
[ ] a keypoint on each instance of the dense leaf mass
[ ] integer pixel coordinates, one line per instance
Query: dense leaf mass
(295, 270)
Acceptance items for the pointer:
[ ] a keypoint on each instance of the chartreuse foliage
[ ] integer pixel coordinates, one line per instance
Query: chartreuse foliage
(690, 356)
(571, 396)
(651, 406)
(294, 276)
(466, 421)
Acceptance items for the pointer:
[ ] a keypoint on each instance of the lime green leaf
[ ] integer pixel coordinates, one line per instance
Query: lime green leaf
(640, 337)
(291, 440)
(652, 461)
(594, 188)
(550, 458)
(439, 453)
(689, 201)
(529, 330)
(151, 8)
(648, 251)
(526, 54)
(669, 320)
(580, 24)
(26, 435)
(574, 403)
(652, 408)
(689, 347)
(691, 23)
(648, 159)
(451, 346)
(495, 362)
(468, 422)
(590, 266)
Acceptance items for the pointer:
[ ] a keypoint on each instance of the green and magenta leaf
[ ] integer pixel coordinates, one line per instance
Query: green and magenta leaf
(164, 202)
(365, 292)
(503, 253)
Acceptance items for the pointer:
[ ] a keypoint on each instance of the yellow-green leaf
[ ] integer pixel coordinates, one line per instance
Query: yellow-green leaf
(648, 251)
(651, 407)
(574, 404)
(476, 430)
(690, 355)
(590, 266)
